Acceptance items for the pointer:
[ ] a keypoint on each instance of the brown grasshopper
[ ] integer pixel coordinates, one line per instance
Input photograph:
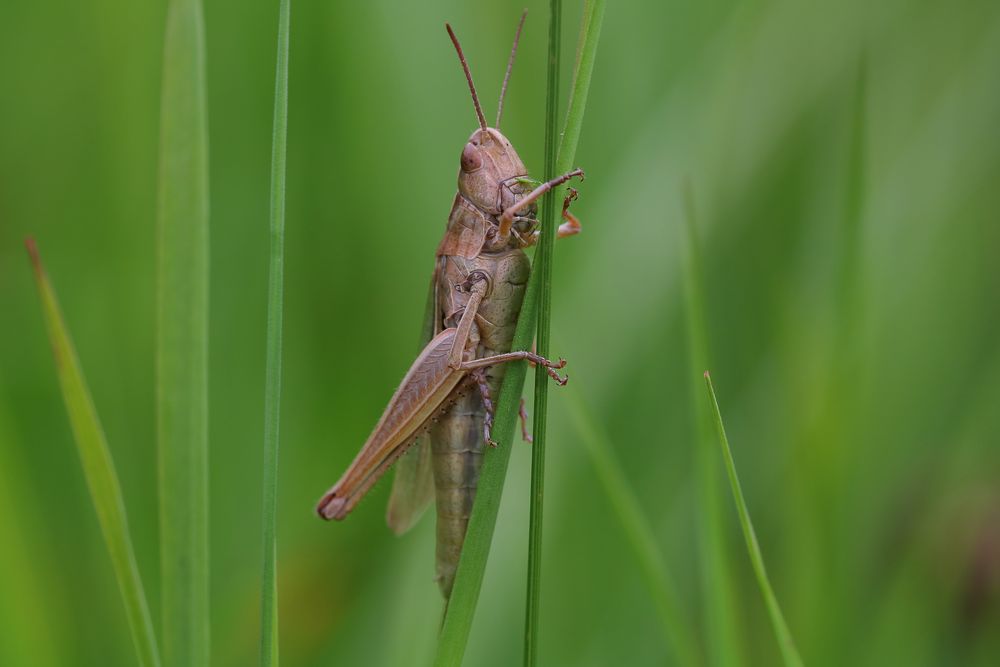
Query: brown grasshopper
(479, 280)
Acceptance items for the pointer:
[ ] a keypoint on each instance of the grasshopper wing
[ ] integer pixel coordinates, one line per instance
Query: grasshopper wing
(412, 487)
(423, 392)
(413, 483)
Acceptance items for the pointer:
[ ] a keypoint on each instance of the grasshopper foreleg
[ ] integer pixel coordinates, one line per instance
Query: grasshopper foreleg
(572, 224)
(507, 217)
(570, 227)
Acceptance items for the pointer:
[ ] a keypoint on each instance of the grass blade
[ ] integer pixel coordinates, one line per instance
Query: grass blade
(586, 56)
(789, 653)
(461, 606)
(182, 348)
(475, 551)
(543, 267)
(681, 637)
(272, 382)
(98, 468)
(716, 576)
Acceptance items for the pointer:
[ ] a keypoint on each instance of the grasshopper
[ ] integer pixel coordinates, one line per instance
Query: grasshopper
(443, 410)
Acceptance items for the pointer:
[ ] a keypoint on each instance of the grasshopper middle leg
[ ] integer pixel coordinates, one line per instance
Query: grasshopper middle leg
(476, 285)
(519, 355)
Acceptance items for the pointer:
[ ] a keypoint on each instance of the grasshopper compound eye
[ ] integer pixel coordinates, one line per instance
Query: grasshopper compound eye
(471, 159)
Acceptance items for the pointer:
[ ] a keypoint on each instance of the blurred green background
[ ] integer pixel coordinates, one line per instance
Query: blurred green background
(851, 302)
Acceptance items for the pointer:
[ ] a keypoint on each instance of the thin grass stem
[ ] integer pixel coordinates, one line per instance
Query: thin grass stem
(789, 653)
(542, 266)
(182, 346)
(716, 576)
(272, 381)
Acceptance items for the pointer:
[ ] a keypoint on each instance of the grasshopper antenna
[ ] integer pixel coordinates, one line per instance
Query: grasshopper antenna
(510, 66)
(468, 76)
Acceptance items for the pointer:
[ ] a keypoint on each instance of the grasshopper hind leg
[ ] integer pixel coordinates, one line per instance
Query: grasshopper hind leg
(523, 414)
(484, 392)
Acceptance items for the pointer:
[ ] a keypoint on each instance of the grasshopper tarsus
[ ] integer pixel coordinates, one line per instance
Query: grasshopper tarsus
(550, 367)
(561, 380)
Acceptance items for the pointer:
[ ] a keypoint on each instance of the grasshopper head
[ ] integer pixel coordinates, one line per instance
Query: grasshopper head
(489, 169)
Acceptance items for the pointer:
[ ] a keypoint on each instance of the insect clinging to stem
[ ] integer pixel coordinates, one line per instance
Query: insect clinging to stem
(442, 412)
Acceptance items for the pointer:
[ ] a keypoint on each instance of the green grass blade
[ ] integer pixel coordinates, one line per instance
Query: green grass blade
(850, 276)
(98, 468)
(272, 383)
(543, 267)
(472, 565)
(586, 56)
(26, 565)
(475, 551)
(716, 576)
(788, 651)
(182, 349)
(680, 635)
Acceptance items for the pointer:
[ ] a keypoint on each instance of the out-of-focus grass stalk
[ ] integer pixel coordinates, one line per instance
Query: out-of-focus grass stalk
(272, 382)
(475, 551)
(680, 635)
(98, 468)
(586, 56)
(25, 569)
(543, 267)
(461, 607)
(845, 391)
(789, 653)
(716, 579)
(850, 277)
(555, 164)
(182, 349)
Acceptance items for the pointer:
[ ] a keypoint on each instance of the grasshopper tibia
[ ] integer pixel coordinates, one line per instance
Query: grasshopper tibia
(484, 393)
(523, 414)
